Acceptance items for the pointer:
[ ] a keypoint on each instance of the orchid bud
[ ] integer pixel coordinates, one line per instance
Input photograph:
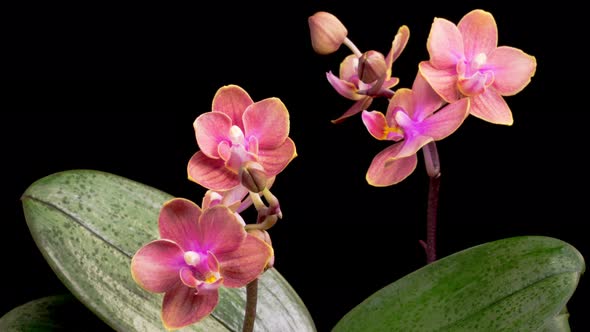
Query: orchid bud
(371, 66)
(253, 176)
(327, 32)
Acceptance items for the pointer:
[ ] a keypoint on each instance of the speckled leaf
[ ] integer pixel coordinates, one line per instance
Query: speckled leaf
(53, 313)
(515, 284)
(88, 224)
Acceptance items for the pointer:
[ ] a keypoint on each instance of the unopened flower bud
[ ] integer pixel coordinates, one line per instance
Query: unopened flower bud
(327, 32)
(372, 66)
(253, 177)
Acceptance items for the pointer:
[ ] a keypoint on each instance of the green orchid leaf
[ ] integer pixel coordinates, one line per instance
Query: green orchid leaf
(514, 284)
(52, 313)
(88, 224)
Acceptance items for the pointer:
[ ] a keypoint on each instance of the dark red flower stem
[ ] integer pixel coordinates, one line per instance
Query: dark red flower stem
(433, 170)
(251, 301)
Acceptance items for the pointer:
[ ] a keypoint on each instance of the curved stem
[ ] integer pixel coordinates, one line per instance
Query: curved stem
(352, 47)
(433, 169)
(251, 301)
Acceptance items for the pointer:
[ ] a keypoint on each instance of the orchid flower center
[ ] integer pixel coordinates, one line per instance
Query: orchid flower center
(192, 258)
(473, 76)
(202, 270)
(239, 150)
(406, 124)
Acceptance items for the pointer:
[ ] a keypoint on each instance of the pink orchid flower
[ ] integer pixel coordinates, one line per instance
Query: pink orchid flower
(349, 84)
(239, 133)
(413, 119)
(198, 252)
(466, 62)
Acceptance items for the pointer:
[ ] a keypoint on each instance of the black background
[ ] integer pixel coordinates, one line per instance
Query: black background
(116, 88)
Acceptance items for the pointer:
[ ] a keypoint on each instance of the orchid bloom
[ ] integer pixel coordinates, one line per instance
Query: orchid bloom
(413, 119)
(240, 139)
(237, 200)
(349, 84)
(198, 252)
(466, 62)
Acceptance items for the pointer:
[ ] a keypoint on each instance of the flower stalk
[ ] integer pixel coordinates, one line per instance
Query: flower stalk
(251, 302)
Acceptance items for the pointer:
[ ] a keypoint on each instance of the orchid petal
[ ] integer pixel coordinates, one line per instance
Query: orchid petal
(445, 121)
(210, 130)
(357, 107)
(241, 266)
(268, 121)
(480, 33)
(188, 278)
(155, 266)
(376, 124)
(397, 46)
(182, 306)
(344, 88)
(427, 101)
(512, 69)
(178, 222)
(211, 198)
(390, 83)
(211, 173)
(219, 231)
(349, 69)
(412, 144)
(224, 150)
(386, 170)
(275, 160)
(443, 81)
(491, 106)
(402, 99)
(232, 101)
(444, 44)
(234, 195)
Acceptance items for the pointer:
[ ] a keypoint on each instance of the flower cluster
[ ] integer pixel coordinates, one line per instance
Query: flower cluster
(467, 73)
(243, 145)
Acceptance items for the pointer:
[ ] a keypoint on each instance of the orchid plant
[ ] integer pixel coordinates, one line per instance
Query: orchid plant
(172, 264)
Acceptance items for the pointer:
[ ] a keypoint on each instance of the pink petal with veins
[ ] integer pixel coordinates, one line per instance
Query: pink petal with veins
(444, 44)
(155, 266)
(210, 130)
(211, 173)
(446, 120)
(219, 231)
(426, 99)
(241, 266)
(275, 160)
(512, 68)
(178, 222)
(443, 81)
(491, 106)
(480, 33)
(232, 100)
(386, 170)
(268, 121)
(182, 307)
